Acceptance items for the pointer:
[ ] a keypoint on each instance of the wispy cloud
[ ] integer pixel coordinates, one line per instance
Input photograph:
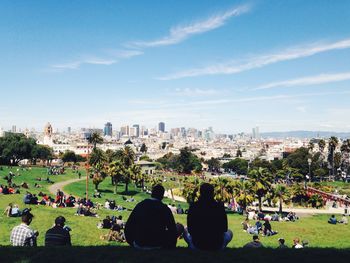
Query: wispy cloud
(237, 66)
(187, 92)
(114, 57)
(180, 33)
(307, 81)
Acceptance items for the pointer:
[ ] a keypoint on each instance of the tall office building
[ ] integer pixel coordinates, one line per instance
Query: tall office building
(14, 129)
(107, 131)
(69, 130)
(124, 130)
(137, 129)
(161, 127)
(256, 134)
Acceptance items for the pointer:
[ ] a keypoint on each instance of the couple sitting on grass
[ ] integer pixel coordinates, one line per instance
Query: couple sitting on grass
(151, 225)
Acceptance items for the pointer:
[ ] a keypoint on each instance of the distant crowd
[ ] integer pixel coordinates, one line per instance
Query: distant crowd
(207, 225)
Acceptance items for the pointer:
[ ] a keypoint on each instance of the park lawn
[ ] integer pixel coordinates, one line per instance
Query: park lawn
(315, 229)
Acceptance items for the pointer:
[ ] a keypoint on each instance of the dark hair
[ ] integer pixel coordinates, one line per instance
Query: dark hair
(281, 240)
(27, 218)
(206, 191)
(59, 221)
(158, 192)
(255, 237)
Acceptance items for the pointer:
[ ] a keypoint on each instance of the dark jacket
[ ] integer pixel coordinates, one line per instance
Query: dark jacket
(151, 224)
(207, 223)
(57, 236)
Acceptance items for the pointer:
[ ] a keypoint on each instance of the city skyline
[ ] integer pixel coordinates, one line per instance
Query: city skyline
(233, 65)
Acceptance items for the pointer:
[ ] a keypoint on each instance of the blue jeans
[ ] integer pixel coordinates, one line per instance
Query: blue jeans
(227, 239)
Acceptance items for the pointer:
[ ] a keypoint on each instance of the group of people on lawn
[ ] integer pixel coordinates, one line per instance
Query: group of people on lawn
(151, 225)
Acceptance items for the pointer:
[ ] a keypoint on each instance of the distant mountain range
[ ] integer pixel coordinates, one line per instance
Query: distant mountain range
(305, 134)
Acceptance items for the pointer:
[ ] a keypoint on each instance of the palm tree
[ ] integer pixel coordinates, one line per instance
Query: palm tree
(116, 171)
(95, 139)
(321, 145)
(345, 150)
(261, 179)
(243, 194)
(133, 173)
(311, 146)
(282, 193)
(332, 145)
(97, 157)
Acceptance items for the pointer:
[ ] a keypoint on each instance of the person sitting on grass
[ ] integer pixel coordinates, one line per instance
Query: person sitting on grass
(151, 224)
(332, 220)
(297, 244)
(115, 234)
(255, 243)
(22, 235)
(15, 212)
(120, 222)
(258, 226)
(344, 220)
(107, 223)
(281, 243)
(59, 234)
(207, 227)
(268, 229)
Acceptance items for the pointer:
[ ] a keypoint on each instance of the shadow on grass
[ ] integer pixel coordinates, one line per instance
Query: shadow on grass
(127, 254)
(130, 193)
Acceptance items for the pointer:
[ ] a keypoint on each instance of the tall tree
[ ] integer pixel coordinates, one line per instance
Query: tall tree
(321, 145)
(332, 145)
(116, 171)
(261, 179)
(283, 195)
(95, 139)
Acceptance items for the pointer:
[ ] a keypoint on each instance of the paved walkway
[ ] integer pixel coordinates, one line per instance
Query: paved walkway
(177, 198)
(53, 188)
(311, 211)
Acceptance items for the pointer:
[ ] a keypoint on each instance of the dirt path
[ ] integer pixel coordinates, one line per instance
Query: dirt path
(53, 188)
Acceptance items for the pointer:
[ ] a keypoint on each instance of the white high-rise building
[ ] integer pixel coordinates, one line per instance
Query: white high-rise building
(256, 134)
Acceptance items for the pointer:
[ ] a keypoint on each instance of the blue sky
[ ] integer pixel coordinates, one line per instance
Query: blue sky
(233, 65)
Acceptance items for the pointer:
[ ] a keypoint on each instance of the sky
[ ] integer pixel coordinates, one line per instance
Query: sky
(232, 65)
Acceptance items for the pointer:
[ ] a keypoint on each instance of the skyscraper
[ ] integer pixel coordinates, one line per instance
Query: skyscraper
(161, 127)
(137, 128)
(108, 129)
(256, 134)
(124, 130)
(14, 129)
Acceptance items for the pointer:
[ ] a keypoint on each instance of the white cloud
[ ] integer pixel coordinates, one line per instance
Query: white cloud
(116, 56)
(307, 81)
(187, 92)
(181, 33)
(259, 61)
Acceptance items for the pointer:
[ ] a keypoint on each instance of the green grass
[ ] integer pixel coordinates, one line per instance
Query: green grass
(315, 229)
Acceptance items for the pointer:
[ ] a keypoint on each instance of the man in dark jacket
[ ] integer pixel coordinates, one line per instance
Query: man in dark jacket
(59, 234)
(151, 224)
(207, 222)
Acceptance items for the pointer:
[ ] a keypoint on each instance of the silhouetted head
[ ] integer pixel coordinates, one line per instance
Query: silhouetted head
(256, 238)
(281, 240)
(158, 192)
(59, 221)
(207, 191)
